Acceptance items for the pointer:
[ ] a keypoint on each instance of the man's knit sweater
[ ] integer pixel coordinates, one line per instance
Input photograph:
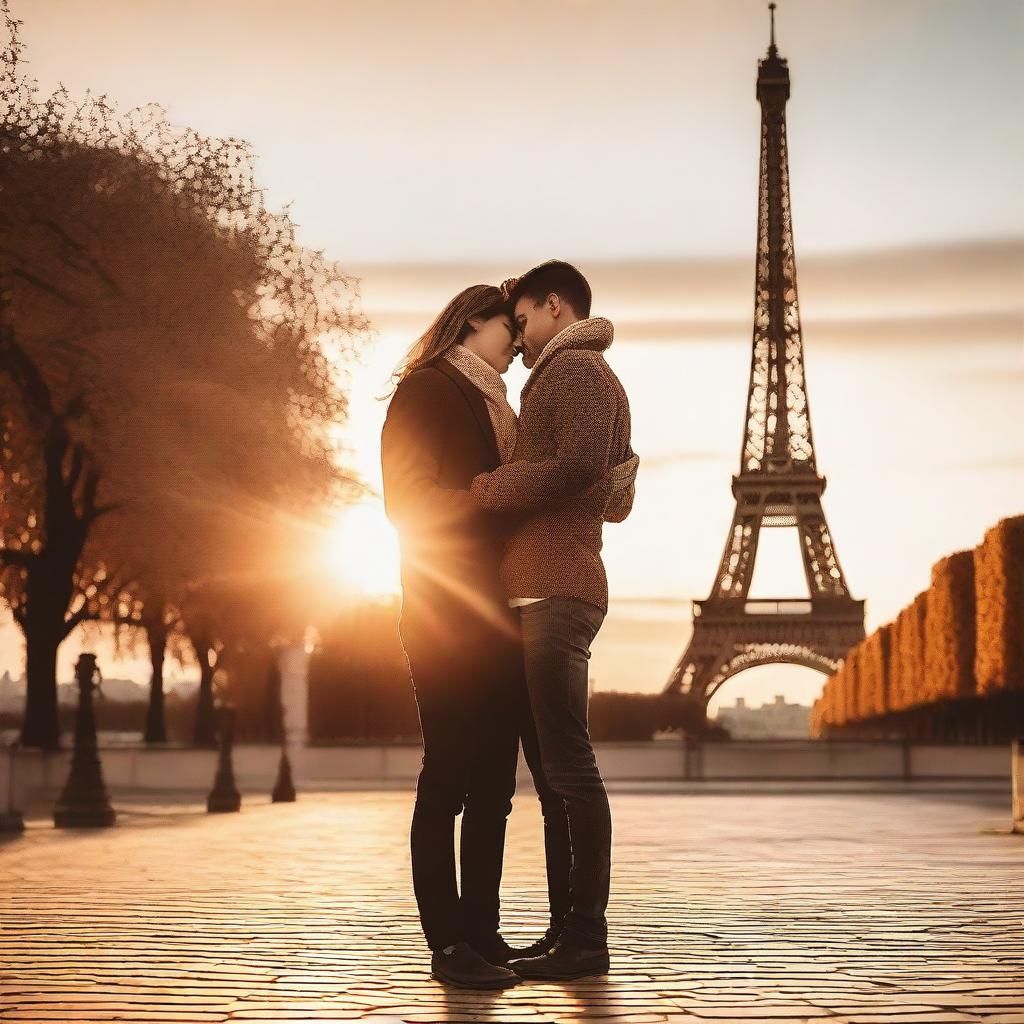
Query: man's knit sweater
(574, 427)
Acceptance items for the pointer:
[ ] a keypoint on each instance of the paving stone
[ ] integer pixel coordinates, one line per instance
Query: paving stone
(848, 908)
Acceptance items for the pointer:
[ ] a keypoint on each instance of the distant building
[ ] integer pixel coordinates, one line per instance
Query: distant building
(126, 690)
(183, 688)
(12, 693)
(778, 721)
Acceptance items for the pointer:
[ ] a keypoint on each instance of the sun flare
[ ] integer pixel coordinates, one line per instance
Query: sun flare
(363, 550)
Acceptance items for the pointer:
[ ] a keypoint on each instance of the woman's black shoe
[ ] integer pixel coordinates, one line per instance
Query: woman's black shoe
(566, 960)
(541, 946)
(460, 965)
(494, 949)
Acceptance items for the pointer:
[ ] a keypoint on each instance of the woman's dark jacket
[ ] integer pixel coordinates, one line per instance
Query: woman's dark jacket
(437, 437)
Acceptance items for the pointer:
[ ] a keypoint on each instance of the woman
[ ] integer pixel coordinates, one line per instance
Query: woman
(449, 420)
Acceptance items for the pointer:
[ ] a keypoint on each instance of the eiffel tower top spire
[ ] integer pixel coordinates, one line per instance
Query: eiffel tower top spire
(777, 434)
(772, 69)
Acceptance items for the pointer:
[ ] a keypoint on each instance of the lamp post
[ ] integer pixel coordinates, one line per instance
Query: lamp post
(84, 802)
(224, 796)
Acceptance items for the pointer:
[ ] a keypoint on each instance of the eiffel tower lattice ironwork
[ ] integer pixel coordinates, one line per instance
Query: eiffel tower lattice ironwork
(778, 484)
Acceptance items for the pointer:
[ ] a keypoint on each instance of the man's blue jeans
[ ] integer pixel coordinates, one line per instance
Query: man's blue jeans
(557, 634)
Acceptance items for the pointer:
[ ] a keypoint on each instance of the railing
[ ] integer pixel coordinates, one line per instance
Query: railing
(777, 608)
(765, 607)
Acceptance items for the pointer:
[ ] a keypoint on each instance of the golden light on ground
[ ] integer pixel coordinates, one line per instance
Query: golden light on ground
(362, 551)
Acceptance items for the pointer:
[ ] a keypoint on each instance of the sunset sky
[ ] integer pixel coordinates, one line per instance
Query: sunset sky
(429, 146)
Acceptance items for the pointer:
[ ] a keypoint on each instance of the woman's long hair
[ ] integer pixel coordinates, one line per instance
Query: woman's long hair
(452, 327)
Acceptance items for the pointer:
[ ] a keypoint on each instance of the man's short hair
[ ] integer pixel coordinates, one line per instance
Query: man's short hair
(554, 276)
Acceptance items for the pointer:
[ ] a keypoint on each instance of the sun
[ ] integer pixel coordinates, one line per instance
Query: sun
(363, 550)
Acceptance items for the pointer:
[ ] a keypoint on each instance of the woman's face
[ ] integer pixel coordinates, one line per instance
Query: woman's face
(493, 341)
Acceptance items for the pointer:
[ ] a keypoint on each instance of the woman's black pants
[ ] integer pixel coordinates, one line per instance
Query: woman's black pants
(466, 694)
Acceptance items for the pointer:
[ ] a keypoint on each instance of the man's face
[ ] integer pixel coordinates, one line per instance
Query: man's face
(538, 324)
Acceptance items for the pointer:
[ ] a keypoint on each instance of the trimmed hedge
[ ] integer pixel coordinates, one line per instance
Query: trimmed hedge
(929, 672)
(999, 595)
(873, 696)
(907, 672)
(850, 699)
(949, 629)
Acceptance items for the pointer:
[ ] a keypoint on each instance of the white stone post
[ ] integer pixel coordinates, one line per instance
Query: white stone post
(293, 662)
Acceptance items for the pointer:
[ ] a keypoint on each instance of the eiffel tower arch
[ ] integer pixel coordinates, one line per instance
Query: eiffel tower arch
(778, 484)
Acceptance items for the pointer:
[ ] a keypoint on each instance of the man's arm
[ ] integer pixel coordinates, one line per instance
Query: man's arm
(623, 479)
(411, 448)
(584, 428)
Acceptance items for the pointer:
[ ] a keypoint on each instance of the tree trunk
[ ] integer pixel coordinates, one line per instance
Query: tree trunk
(70, 483)
(156, 634)
(48, 589)
(40, 727)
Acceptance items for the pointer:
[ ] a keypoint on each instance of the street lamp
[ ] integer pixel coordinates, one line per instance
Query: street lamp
(84, 802)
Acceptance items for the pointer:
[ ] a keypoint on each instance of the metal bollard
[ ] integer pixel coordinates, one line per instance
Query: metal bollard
(224, 797)
(284, 787)
(11, 819)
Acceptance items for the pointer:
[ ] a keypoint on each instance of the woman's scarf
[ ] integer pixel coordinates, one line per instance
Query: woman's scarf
(489, 383)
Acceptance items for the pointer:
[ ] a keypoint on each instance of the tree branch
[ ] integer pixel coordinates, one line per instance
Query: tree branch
(102, 510)
(81, 615)
(92, 482)
(77, 463)
(17, 556)
(87, 258)
(43, 286)
(25, 374)
(112, 590)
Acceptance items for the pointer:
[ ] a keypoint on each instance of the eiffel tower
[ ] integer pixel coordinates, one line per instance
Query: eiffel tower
(778, 484)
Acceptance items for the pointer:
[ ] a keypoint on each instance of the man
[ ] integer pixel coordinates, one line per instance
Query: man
(572, 468)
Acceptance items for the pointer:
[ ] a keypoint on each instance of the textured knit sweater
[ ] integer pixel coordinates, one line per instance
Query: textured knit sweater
(574, 428)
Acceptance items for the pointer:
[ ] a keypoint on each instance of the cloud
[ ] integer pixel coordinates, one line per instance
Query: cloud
(949, 295)
(998, 462)
(991, 376)
(665, 460)
(993, 327)
(940, 329)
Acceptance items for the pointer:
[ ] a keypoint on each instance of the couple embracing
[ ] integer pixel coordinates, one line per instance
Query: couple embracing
(500, 522)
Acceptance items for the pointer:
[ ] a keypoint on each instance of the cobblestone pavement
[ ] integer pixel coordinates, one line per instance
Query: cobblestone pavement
(860, 908)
